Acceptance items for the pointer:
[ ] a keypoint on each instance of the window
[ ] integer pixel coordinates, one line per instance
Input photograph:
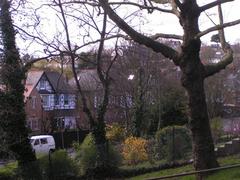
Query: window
(33, 124)
(45, 101)
(57, 97)
(66, 99)
(44, 141)
(34, 102)
(36, 142)
(42, 84)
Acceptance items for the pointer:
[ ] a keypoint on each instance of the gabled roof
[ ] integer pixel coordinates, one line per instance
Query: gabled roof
(56, 80)
(31, 81)
(88, 79)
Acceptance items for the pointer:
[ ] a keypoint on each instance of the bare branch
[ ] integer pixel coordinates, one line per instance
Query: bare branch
(140, 38)
(32, 61)
(213, 4)
(106, 38)
(228, 56)
(166, 36)
(152, 8)
(100, 50)
(178, 3)
(35, 37)
(72, 56)
(221, 31)
(104, 79)
(211, 69)
(217, 27)
(175, 5)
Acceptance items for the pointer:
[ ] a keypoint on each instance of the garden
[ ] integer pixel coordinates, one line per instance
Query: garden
(166, 153)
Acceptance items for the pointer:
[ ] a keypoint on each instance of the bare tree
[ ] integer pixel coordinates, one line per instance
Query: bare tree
(68, 43)
(194, 72)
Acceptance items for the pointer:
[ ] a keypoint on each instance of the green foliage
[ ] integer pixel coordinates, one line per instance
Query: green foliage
(170, 109)
(216, 128)
(173, 143)
(12, 114)
(59, 166)
(174, 108)
(54, 65)
(87, 156)
(88, 60)
(8, 171)
(115, 133)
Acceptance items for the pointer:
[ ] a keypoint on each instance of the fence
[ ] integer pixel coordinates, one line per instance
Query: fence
(195, 172)
(65, 139)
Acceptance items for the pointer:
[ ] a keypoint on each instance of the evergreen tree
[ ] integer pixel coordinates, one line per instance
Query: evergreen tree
(12, 114)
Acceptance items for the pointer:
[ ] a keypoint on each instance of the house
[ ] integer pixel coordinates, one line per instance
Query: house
(91, 85)
(50, 102)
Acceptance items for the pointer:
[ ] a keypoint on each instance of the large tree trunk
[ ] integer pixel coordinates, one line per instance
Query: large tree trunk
(203, 148)
(193, 81)
(102, 162)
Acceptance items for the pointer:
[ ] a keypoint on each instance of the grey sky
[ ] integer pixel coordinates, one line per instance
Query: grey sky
(150, 24)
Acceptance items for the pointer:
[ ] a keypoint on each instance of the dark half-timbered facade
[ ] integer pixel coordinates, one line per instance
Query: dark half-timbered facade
(50, 102)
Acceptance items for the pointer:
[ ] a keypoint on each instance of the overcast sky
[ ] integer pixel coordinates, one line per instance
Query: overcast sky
(170, 24)
(150, 24)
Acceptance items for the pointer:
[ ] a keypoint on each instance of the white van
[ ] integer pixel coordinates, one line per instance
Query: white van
(43, 143)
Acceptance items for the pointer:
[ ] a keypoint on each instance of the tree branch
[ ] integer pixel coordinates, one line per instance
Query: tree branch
(72, 56)
(29, 63)
(142, 6)
(211, 69)
(166, 36)
(217, 27)
(228, 56)
(175, 5)
(178, 4)
(167, 51)
(213, 4)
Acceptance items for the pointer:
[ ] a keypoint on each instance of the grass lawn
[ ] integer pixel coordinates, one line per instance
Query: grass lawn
(8, 170)
(229, 174)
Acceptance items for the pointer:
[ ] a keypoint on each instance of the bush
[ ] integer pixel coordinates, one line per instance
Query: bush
(134, 150)
(217, 128)
(115, 133)
(87, 156)
(59, 166)
(173, 143)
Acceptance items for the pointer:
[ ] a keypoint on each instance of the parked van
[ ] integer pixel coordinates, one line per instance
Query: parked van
(43, 143)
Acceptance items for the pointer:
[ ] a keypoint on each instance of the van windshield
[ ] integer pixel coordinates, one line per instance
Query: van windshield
(31, 140)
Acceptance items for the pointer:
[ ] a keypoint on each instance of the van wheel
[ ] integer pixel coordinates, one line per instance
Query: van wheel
(51, 151)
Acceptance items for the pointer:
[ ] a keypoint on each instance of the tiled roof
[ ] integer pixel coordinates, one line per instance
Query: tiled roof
(58, 82)
(88, 79)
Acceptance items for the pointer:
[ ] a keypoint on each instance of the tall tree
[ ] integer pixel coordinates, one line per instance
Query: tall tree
(194, 72)
(12, 114)
(68, 43)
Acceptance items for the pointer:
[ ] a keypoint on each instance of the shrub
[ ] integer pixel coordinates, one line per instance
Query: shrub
(217, 128)
(59, 166)
(115, 133)
(173, 143)
(134, 150)
(87, 156)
